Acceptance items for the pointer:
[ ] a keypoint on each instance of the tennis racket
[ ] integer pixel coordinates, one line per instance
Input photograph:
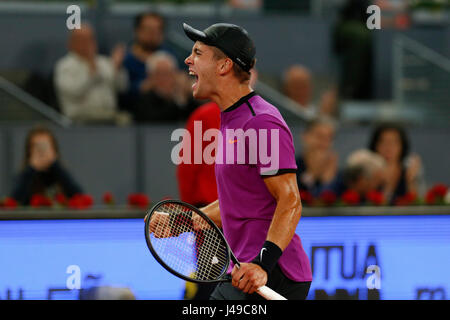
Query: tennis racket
(189, 245)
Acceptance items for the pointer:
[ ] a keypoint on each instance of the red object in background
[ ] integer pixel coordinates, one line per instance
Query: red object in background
(406, 200)
(350, 197)
(108, 198)
(328, 197)
(430, 197)
(197, 182)
(306, 197)
(39, 200)
(81, 201)
(8, 203)
(61, 199)
(375, 197)
(402, 21)
(140, 200)
(439, 190)
(436, 194)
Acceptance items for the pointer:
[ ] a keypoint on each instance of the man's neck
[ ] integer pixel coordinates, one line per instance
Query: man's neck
(227, 95)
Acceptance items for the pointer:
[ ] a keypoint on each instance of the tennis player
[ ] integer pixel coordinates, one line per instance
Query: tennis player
(257, 207)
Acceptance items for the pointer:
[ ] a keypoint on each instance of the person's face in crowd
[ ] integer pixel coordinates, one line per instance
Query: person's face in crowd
(164, 77)
(319, 138)
(298, 85)
(43, 152)
(389, 146)
(83, 42)
(150, 33)
(203, 66)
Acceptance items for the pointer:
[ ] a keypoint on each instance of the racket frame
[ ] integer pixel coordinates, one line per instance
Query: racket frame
(223, 277)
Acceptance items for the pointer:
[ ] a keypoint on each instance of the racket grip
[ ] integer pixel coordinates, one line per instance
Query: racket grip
(269, 294)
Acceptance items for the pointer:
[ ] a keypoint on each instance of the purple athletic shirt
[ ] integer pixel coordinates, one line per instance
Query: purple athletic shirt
(246, 205)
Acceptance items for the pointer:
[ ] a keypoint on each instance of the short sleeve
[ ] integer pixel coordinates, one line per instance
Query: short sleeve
(275, 146)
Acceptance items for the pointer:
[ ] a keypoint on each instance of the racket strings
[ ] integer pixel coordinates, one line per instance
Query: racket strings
(199, 253)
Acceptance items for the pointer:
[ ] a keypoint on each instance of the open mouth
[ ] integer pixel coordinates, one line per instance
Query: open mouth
(194, 76)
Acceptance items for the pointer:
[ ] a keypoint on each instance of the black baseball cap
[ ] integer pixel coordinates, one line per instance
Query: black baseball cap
(233, 40)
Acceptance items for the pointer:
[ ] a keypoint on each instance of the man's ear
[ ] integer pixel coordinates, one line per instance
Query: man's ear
(225, 66)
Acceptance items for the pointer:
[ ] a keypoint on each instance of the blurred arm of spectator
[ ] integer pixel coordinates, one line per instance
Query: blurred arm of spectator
(414, 174)
(120, 76)
(329, 103)
(42, 171)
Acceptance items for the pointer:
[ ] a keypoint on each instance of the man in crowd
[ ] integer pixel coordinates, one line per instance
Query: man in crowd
(87, 83)
(169, 96)
(298, 86)
(148, 39)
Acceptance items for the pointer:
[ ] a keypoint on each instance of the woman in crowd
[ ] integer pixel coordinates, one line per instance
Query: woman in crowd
(403, 171)
(42, 171)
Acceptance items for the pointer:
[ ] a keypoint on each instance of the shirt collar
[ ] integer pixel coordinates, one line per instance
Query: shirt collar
(240, 102)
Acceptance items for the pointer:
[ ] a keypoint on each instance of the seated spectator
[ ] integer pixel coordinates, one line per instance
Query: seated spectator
(403, 171)
(363, 172)
(42, 171)
(87, 83)
(298, 86)
(169, 97)
(317, 165)
(148, 39)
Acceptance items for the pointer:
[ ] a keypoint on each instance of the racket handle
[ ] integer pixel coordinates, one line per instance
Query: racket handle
(269, 294)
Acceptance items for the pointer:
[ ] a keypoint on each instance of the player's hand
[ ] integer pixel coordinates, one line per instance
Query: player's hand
(159, 225)
(198, 223)
(248, 277)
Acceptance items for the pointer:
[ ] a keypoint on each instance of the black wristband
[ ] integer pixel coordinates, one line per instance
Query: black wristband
(268, 256)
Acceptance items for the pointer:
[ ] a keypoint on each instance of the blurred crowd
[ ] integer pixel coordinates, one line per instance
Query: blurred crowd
(140, 83)
(145, 82)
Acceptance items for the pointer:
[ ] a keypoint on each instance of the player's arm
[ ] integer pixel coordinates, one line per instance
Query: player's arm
(287, 214)
(213, 212)
(251, 276)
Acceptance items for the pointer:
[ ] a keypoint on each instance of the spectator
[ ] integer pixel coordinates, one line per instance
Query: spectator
(148, 39)
(317, 165)
(42, 171)
(87, 83)
(298, 86)
(403, 172)
(363, 173)
(169, 97)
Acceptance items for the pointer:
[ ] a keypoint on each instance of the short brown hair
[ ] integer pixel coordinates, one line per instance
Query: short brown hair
(240, 73)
